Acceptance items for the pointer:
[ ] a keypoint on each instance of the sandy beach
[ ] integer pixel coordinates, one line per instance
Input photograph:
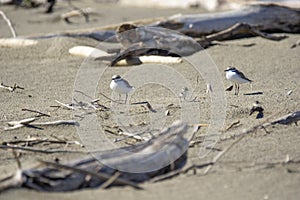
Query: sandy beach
(253, 169)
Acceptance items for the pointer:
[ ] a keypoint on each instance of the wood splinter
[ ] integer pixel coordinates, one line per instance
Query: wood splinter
(30, 122)
(11, 88)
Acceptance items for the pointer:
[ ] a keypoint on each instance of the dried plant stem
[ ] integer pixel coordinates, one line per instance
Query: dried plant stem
(30, 122)
(11, 88)
(36, 150)
(65, 105)
(35, 111)
(12, 30)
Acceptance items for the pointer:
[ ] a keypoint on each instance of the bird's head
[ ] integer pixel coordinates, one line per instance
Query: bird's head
(229, 68)
(115, 77)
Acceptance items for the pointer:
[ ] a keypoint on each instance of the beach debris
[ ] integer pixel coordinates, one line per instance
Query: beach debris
(208, 88)
(68, 106)
(29, 122)
(38, 150)
(295, 45)
(137, 136)
(152, 41)
(257, 108)
(86, 51)
(236, 30)
(31, 141)
(253, 93)
(168, 148)
(233, 124)
(167, 113)
(17, 42)
(148, 59)
(265, 16)
(8, 22)
(11, 88)
(289, 92)
(148, 105)
(40, 114)
(255, 19)
(77, 12)
(288, 119)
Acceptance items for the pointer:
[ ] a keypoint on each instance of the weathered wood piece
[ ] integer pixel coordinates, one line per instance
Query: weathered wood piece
(170, 146)
(266, 17)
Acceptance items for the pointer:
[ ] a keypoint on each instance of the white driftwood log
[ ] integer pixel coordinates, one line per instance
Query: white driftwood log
(267, 17)
(17, 42)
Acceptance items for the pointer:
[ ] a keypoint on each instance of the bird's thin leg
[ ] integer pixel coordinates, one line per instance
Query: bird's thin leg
(238, 89)
(126, 98)
(235, 89)
(119, 97)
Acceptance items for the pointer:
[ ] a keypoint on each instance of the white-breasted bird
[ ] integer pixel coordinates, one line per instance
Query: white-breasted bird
(120, 86)
(236, 77)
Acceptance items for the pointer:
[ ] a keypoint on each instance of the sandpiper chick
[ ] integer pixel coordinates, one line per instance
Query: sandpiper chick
(120, 85)
(236, 77)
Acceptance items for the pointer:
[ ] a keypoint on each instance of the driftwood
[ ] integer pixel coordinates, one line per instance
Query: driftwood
(29, 122)
(288, 119)
(162, 154)
(254, 20)
(284, 120)
(11, 88)
(268, 17)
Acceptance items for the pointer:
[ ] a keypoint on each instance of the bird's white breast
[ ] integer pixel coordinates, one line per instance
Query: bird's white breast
(120, 87)
(234, 77)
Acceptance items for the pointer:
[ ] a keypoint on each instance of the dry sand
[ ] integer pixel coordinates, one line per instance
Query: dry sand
(47, 72)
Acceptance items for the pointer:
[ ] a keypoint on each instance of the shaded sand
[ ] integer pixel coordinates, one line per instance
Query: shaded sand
(47, 72)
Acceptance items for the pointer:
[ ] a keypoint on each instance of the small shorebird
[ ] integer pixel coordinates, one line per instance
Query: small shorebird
(257, 108)
(120, 85)
(236, 77)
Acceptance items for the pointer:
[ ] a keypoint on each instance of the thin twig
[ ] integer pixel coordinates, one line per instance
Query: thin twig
(65, 105)
(292, 117)
(12, 30)
(58, 122)
(147, 104)
(11, 88)
(30, 122)
(49, 151)
(111, 180)
(132, 135)
(77, 12)
(35, 111)
(232, 125)
(17, 159)
(215, 159)
(32, 141)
